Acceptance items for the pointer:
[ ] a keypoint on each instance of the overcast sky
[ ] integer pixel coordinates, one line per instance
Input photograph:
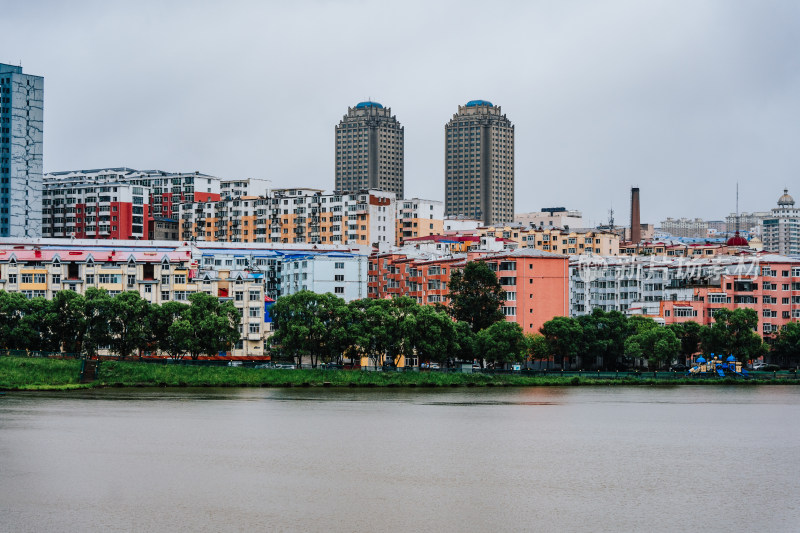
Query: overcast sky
(680, 98)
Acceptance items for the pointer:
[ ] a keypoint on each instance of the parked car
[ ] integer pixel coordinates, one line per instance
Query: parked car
(285, 366)
(758, 366)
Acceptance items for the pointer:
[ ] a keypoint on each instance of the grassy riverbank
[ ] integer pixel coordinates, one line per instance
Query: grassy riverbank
(25, 373)
(20, 373)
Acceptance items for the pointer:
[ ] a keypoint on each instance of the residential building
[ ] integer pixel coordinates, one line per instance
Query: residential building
(550, 217)
(479, 164)
(21, 141)
(165, 192)
(235, 188)
(106, 208)
(676, 248)
(294, 216)
(676, 289)
(781, 230)
(568, 241)
(684, 227)
(342, 274)
(747, 222)
(419, 218)
(249, 275)
(369, 150)
(461, 224)
(536, 282)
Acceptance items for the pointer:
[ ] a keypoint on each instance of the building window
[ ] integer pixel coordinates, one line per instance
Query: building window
(254, 296)
(164, 296)
(338, 265)
(338, 290)
(255, 312)
(238, 296)
(254, 327)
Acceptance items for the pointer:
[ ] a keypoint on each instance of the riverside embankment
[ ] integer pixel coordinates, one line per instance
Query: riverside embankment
(23, 373)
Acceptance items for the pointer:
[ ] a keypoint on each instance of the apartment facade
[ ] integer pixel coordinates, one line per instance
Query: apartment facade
(684, 227)
(479, 164)
(681, 289)
(536, 283)
(418, 218)
(293, 216)
(21, 143)
(370, 150)
(104, 209)
(165, 192)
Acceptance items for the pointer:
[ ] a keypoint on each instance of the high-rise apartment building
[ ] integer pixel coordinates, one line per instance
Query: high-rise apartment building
(479, 164)
(369, 150)
(21, 113)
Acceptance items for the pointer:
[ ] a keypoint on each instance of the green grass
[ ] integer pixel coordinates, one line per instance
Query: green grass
(24, 373)
(20, 373)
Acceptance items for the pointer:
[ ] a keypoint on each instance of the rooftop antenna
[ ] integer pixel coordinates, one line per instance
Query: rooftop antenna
(737, 208)
(611, 218)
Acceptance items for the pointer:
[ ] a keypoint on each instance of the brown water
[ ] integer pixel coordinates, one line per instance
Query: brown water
(536, 459)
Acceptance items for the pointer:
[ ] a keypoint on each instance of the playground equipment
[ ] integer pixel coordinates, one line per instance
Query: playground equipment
(717, 367)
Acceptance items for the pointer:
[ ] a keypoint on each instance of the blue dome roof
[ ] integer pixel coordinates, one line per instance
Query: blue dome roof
(473, 103)
(731, 359)
(701, 359)
(362, 105)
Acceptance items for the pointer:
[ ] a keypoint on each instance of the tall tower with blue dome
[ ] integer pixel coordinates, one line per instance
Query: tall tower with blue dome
(369, 150)
(479, 164)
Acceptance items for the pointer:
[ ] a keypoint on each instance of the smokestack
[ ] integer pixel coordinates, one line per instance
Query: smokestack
(636, 222)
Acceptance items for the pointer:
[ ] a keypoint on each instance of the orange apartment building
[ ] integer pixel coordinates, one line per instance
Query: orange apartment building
(536, 282)
(774, 293)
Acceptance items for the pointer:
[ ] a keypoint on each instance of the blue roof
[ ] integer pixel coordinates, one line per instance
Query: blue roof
(473, 103)
(362, 105)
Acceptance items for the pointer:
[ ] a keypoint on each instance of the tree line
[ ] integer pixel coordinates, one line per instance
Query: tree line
(125, 324)
(323, 328)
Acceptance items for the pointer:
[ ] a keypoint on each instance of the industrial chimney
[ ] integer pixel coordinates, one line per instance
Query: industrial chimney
(636, 222)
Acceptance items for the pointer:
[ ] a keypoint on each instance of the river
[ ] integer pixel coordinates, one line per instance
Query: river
(513, 459)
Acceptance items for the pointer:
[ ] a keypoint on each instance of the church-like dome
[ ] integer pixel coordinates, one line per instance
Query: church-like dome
(737, 240)
(785, 200)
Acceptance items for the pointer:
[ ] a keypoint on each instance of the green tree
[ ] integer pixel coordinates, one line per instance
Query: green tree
(537, 347)
(128, 316)
(502, 343)
(34, 329)
(689, 334)
(786, 349)
(734, 332)
(465, 350)
(70, 327)
(657, 345)
(167, 330)
(302, 324)
(564, 336)
(211, 326)
(602, 339)
(12, 309)
(476, 296)
(98, 315)
(433, 334)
